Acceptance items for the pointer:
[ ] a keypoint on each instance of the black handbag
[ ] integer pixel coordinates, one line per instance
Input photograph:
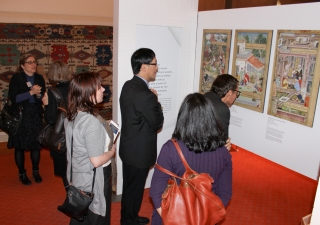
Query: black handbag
(77, 201)
(9, 122)
(52, 136)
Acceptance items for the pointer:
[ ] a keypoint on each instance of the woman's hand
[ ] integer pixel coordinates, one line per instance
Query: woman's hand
(228, 144)
(45, 99)
(35, 90)
(114, 150)
(159, 210)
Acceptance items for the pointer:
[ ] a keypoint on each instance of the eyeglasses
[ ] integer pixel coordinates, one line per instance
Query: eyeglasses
(31, 62)
(238, 93)
(153, 64)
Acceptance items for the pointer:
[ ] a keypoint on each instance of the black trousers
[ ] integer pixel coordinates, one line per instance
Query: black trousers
(134, 180)
(92, 218)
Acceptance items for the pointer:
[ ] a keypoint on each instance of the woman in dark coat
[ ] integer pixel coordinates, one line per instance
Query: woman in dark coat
(26, 90)
(59, 76)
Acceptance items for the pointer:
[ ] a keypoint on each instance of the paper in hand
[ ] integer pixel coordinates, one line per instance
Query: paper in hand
(115, 129)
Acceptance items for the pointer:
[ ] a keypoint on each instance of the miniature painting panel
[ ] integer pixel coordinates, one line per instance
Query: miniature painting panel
(250, 67)
(295, 83)
(214, 56)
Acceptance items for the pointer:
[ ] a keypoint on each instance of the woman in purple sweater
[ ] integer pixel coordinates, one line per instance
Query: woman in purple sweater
(200, 137)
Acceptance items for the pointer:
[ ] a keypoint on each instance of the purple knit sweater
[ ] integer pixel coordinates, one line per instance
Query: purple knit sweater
(217, 163)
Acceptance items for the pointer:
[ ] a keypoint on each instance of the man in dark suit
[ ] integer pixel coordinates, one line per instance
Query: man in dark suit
(142, 118)
(223, 93)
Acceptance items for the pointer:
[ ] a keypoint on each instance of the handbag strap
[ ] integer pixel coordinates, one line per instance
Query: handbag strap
(94, 169)
(167, 172)
(56, 93)
(186, 165)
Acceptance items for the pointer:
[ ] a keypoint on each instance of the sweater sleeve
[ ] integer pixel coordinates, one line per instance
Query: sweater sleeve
(224, 187)
(160, 179)
(23, 96)
(95, 137)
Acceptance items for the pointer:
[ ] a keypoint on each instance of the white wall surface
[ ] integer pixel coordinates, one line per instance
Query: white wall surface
(74, 12)
(299, 148)
(171, 13)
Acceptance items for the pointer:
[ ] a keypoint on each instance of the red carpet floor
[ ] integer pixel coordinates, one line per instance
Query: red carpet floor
(264, 193)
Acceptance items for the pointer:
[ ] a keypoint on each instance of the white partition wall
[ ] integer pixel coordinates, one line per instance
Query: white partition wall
(298, 149)
(128, 15)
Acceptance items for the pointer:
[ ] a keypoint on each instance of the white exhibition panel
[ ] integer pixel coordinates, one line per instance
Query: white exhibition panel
(166, 43)
(173, 25)
(296, 146)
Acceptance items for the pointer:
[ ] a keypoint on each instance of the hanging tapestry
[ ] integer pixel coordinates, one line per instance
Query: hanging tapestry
(85, 48)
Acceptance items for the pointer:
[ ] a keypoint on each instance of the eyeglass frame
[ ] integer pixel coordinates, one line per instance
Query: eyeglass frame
(238, 93)
(31, 62)
(153, 64)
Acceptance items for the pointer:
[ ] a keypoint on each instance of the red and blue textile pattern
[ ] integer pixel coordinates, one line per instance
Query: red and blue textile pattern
(84, 48)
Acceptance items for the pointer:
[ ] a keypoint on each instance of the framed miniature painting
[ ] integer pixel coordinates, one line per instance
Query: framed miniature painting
(250, 66)
(295, 81)
(214, 56)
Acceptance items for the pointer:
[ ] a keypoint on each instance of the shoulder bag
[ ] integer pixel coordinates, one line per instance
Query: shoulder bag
(192, 202)
(9, 122)
(52, 136)
(77, 202)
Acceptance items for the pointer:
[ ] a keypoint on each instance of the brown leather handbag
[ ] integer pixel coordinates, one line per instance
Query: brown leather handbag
(192, 202)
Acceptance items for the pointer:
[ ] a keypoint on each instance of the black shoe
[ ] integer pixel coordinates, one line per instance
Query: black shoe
(37, 176)
(24, 179)
(142, 220)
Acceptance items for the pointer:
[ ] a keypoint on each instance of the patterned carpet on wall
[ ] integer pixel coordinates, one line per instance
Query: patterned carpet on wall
(264, 193)
(83, 47)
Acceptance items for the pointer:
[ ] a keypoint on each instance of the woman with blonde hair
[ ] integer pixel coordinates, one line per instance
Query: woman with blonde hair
(58, 76)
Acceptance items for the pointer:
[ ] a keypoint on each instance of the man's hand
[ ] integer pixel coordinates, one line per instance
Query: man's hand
(154, 91)
(228, 144)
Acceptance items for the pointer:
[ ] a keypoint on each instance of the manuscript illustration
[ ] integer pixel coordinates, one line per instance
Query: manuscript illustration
(295, 79)
(250, 66)
(215, 56)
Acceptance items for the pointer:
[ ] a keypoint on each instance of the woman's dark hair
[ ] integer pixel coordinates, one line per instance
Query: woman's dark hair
(139, 57)
(197, 124)
(82, 94)
(23, 60)
(223, 83)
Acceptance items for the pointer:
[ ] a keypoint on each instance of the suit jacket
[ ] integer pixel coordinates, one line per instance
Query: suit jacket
(142, 117)
(18, 85)
(222, 111)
